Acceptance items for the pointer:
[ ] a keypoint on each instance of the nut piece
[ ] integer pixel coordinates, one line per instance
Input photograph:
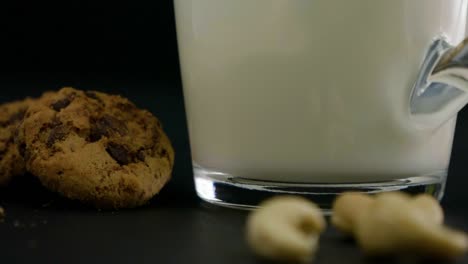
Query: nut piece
(430, 206)
(347, 208)
(395, 223)
(285, 228)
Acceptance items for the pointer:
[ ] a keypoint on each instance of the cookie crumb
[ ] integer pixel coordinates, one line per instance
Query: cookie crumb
(2, 213)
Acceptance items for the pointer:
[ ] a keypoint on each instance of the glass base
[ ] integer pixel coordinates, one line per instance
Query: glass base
(225, 190)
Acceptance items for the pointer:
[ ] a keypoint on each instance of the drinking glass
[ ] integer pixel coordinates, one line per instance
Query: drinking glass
(320, 97)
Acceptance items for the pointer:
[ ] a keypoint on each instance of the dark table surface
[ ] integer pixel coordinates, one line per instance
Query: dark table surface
(41, 227)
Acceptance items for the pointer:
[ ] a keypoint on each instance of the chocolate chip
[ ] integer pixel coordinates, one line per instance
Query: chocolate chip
(164, 153)
(119, 153)
(22, 149)
(94, 135)
(56, 134)
(105, 126)
(93, 95)
(54, 123)
(60, 104)
(140, 155)
(17, 116)
(126, 107)
(129, 190)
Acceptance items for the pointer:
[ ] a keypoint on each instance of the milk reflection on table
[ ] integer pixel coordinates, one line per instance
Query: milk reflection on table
(312, 91)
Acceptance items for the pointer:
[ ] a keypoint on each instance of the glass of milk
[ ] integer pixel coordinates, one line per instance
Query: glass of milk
(319, 97)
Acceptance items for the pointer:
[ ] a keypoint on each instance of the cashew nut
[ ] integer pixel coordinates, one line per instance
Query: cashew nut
(285, 228)
(393, 223)
(430, 206)
(347, 208)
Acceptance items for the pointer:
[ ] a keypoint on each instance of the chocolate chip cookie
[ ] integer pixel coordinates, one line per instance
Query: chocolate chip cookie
(97, 148)
(11, 163)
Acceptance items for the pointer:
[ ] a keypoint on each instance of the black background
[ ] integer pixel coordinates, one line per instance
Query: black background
(130, 48)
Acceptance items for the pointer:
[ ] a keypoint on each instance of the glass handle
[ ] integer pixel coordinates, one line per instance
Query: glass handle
(441, 89)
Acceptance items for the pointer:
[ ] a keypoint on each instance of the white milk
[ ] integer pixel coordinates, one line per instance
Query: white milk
(312, 90)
